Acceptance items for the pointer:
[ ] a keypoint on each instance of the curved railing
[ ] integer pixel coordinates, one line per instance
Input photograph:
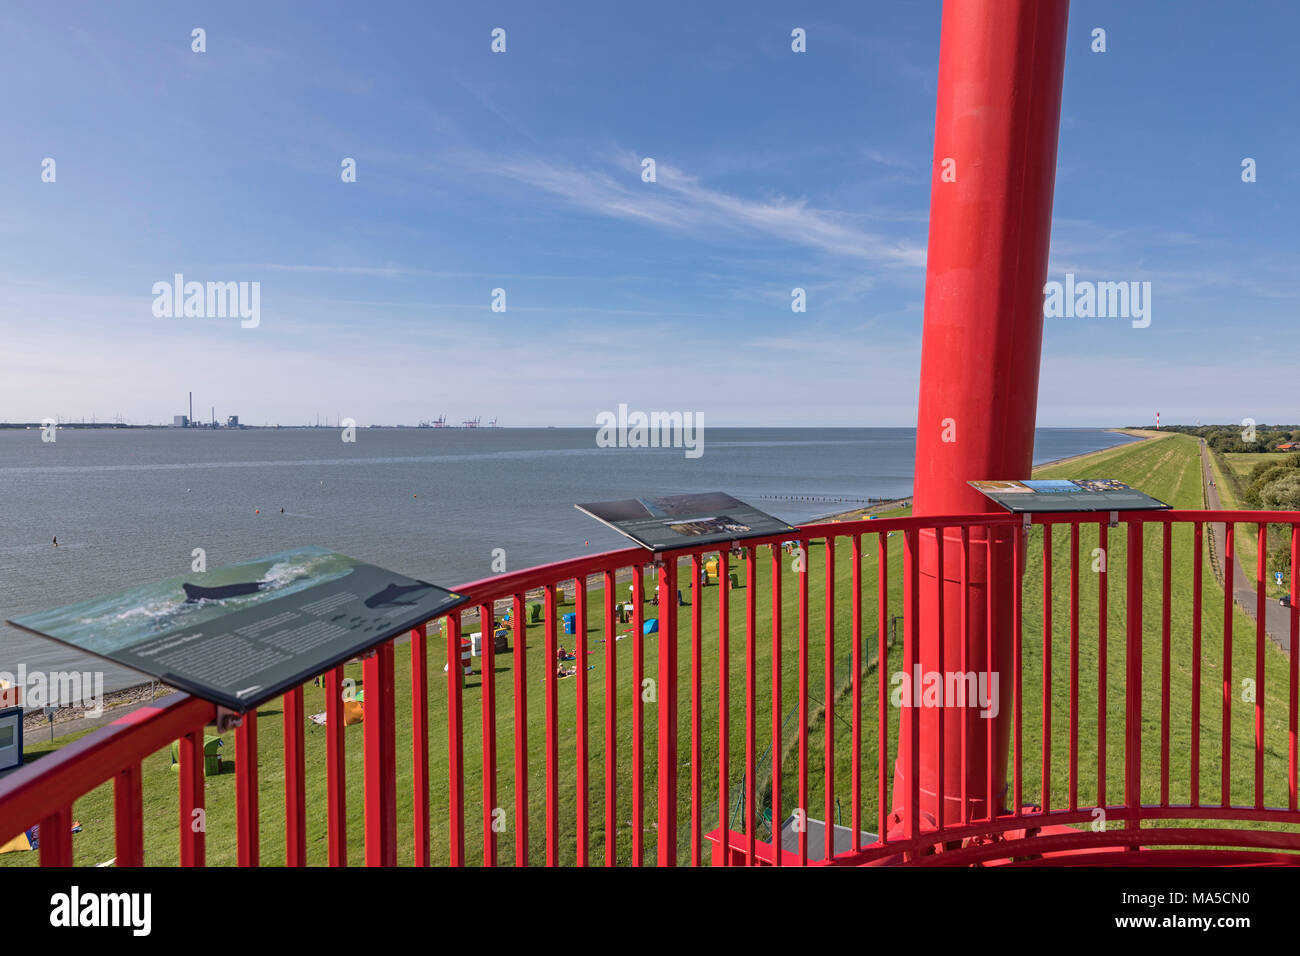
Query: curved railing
(1150, 721)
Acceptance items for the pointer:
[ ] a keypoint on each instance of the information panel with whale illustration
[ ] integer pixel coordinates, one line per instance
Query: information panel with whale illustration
(242, 635)
(680, 521)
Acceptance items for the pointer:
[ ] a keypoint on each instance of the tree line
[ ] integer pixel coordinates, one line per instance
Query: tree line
(1237, 438)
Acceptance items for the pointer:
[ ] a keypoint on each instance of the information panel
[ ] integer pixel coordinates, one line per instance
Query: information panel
(241, 635)
(680, 521)
(1055, 494)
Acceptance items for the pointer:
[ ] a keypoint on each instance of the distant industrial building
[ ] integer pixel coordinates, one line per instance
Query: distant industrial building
(187, 421)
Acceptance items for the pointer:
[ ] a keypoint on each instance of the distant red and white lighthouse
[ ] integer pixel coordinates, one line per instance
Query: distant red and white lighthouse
(1157, 421)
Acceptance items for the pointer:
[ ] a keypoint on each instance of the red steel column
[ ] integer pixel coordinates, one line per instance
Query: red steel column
(1000, 72)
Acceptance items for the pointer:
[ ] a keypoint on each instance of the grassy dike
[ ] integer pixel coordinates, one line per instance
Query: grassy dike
(1167, 468)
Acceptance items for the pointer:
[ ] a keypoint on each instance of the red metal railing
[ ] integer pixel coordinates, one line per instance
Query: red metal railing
(733, 753)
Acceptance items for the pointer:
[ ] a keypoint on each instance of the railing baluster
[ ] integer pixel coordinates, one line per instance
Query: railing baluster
(751, 703)
(1293, 649)
(882, 711)
(128, 816)
(697, 714)
(248, 852)
(1293, 733)
(1074, 666)
(419, 740)
(1165, 653)
(1047, 669)
(724, 702)
(1019, 546)
(911, 716)
(552, 732)
(380, 757)
(674, 652)
(611, 724)
(1133, 661)
(295, 781)
(666, 844)
(964, 620)
(580, 717)
(1261, 608)
(193, 824)
(805, 546)
(488, 711)
(519, 654)
(638, 715)
(941, 579)
(1198, 544)
(1229, 560)
(455, 743)
(775, 748)
(1103, 594)
(56, 837)
(855, 842)
(989, 645)
(828, 692)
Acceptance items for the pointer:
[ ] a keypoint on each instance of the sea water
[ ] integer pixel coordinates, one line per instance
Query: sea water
(131, 507)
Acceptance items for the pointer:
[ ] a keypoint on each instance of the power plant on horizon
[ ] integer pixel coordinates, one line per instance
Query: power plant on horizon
(232, 421)
(187, 421)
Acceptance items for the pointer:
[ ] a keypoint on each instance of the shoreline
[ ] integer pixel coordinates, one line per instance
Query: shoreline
(124, 700)
(1139, 434)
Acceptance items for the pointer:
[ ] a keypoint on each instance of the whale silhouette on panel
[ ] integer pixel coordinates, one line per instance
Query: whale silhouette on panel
(390, 594)
(197, 592)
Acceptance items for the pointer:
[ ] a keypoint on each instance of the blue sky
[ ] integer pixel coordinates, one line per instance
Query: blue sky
(522, 171)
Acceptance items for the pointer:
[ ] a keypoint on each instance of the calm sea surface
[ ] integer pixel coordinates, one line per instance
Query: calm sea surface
(130, 506)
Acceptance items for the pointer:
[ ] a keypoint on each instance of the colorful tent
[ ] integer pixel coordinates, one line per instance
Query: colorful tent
(30, 839)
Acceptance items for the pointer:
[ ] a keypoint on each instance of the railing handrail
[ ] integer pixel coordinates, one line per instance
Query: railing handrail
(44, 791)
(500, 586)
(81, 766)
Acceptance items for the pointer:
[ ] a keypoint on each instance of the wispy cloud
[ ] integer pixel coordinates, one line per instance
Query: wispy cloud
(400, 272)
(681, 202)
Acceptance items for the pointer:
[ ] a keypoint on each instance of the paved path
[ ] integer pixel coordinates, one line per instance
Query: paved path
(1277, 619)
